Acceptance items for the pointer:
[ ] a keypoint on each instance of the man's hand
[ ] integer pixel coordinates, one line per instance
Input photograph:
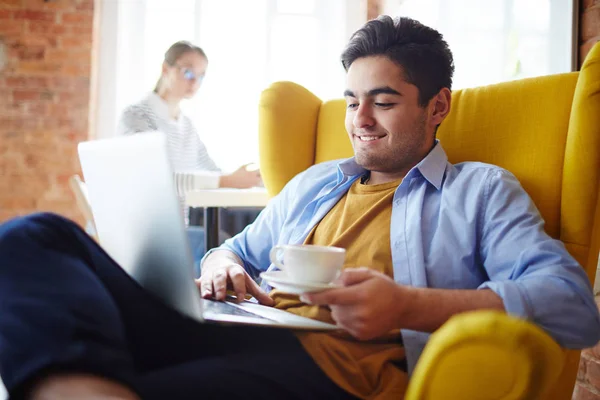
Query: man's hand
(223, 270)
(371, 304)
(368, 306)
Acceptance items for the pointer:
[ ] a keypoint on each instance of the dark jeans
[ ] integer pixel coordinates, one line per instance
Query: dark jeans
(65, 305)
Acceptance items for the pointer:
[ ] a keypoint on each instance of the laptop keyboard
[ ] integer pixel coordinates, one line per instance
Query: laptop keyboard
(219, 307)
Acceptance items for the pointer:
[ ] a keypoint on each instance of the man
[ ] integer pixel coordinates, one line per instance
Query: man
(425, 240)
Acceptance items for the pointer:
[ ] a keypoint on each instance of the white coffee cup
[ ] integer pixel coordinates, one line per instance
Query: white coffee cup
(309, 263)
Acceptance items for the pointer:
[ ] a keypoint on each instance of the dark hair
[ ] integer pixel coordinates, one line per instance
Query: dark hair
(420, 51)
(176, 50)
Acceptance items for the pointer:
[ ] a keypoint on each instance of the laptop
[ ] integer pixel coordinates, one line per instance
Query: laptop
(139, 223)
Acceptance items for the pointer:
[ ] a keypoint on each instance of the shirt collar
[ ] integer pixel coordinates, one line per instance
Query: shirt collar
(160, 107)
(349, 167)
(432, 167)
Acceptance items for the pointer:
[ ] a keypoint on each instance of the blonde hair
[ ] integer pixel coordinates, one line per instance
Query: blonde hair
(177, 50)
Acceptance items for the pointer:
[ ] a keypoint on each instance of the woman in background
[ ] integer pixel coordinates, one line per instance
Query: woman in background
(183, 69)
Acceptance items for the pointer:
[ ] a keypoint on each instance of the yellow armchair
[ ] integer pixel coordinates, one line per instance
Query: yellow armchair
(545, 130)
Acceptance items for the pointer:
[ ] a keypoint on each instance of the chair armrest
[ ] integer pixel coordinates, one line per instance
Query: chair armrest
(287, 129)
(486, 355)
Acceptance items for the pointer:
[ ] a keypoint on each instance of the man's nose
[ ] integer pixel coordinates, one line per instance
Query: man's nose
(363, 117)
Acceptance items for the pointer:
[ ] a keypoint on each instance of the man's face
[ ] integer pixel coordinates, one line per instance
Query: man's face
(389, 131)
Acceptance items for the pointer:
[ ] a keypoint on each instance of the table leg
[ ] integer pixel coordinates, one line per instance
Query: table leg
(211, 227)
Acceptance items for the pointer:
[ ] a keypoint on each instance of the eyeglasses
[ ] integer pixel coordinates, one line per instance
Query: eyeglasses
(189, 75)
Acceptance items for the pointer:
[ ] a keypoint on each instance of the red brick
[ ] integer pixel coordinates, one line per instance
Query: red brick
(374, 8)
(583, 361)
(35, 67)
(81, 82)
(31, 52)
(82, 31)
(10, 27)
(595, 351)
(584, 392)
(73, 97)
(62, 82)
(59, 109)
(585, 4)
(11, 108)
(16, 124)
(37, 109)
(11, 3)
(37, 40)
(68, 42)
(60, 123)
(46, 28)
(77, 69)
(6, 14)
(87, 5)
(81, 18)
(590, 23)
(25, 95)
(592, 374)
(77, 56)
(29, 82)
(47, 5)
(32, 15)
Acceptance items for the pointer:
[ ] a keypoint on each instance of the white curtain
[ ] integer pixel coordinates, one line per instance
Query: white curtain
(249, 44)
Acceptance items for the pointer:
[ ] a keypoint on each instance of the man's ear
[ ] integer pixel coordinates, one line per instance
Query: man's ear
(439, 106)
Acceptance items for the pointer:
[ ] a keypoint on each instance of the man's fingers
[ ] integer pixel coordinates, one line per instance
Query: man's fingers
(332, 296)
(214, 284)
(352, 276)
(219, 282)
(206, 287)
(258, 293)
(237, 275)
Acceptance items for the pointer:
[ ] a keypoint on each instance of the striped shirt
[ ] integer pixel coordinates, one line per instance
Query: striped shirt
(188, 156)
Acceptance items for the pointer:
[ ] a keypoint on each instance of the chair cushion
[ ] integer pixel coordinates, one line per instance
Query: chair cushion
(521, 126)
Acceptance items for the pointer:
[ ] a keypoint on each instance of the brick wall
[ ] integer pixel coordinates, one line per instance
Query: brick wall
(44, 102)
(588, 376)
(374, 8)
(589, 26)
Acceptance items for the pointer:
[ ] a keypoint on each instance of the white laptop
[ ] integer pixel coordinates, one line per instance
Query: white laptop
(139, 223)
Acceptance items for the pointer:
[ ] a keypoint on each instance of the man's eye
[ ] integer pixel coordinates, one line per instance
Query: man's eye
(352, 106)
(384, 105)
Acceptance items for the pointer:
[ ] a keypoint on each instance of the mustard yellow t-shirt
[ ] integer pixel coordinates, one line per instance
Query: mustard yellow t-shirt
(360, 223)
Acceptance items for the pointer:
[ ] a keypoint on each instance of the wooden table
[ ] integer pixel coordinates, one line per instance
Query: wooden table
(213, 199)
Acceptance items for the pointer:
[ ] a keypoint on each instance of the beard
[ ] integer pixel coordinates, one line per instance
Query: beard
(403, 153)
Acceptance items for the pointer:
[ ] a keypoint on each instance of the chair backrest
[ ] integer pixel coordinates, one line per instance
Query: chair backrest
(83, 202)
(545, 130)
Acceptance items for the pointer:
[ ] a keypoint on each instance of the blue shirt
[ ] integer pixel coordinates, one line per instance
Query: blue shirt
(463, 226)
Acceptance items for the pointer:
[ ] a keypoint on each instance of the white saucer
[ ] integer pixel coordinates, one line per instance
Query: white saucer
(279, 280)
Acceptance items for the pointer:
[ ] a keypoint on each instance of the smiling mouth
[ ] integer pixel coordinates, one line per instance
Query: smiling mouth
(368, 138)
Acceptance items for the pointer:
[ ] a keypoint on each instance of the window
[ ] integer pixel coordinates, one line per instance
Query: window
(498, 40)
(249, 44)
